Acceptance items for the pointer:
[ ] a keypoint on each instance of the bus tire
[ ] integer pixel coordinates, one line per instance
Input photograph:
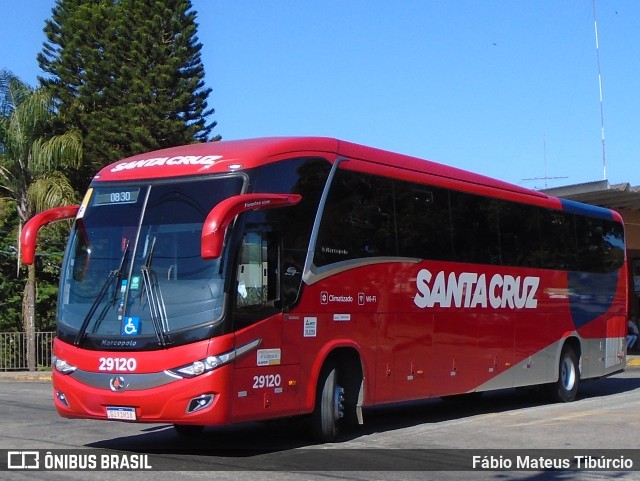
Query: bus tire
(329, 408)
(188, 430)
(566, 387)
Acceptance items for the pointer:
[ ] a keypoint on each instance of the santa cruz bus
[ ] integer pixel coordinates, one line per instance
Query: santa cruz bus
(247, 280)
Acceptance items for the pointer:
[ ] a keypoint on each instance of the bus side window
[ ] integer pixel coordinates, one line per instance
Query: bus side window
(257, 277)
(291, 276)
(253, 282)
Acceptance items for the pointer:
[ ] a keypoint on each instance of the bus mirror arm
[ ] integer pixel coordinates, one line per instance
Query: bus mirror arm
(29, 235)
(223, 214)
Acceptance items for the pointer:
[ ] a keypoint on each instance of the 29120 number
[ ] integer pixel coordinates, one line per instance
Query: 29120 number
(122, 364)
(270, 380)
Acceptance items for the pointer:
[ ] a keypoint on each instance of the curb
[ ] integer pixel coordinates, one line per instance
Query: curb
(26, 376)
(633, 361)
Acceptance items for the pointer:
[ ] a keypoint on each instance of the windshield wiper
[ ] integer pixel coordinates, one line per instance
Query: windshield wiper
(157, 308)
(114, 274)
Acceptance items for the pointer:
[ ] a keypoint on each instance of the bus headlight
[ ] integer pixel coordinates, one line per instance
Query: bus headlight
(210, 363)
(62, 366)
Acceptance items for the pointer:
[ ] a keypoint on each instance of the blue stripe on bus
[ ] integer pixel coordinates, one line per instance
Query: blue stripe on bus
(574, 207)
(590, 295)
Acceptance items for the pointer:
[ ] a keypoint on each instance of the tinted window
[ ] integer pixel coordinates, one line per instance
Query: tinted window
(589, 243)
(558, 244)
(475, 228)
(357, 220)
(275, 241)
(369, 216)
(613, 244)
(519, 234)
(304, 176)
(423, 220)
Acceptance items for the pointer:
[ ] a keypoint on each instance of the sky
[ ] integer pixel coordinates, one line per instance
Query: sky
(505, 88)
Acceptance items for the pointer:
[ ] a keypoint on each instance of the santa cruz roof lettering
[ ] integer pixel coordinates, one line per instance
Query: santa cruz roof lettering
(169, 161)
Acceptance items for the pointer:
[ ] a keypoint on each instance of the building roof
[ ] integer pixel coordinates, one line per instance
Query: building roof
(600, 193)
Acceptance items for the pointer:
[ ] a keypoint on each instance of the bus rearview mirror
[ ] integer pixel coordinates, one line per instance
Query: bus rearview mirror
(29, 235)
(222, 215)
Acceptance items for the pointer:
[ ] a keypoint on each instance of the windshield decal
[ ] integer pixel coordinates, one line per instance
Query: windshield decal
(85, 203)
(131, 326)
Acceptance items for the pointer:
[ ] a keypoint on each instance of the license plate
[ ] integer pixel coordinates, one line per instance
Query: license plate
(121, 414)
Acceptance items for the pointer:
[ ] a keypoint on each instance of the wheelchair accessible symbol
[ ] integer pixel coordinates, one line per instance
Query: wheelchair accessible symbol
(131, 326)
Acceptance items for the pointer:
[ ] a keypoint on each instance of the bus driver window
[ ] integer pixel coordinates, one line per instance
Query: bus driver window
(253, 279)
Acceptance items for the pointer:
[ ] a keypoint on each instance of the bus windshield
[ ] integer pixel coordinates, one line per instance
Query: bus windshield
(133, 273)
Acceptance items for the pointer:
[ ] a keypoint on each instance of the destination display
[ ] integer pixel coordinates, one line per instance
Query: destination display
(116, 196)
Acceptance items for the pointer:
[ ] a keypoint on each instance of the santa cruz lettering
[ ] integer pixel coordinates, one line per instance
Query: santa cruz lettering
(472, 290)
(177, 160)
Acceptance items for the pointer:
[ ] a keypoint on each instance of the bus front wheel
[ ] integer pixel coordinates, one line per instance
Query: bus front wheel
(329, 408)
(566, 387)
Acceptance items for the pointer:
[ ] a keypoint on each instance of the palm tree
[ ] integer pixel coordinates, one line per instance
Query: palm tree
(31, 152)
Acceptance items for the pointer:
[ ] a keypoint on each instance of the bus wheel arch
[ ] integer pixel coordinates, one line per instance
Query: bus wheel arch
(565, 388)
(339, 394)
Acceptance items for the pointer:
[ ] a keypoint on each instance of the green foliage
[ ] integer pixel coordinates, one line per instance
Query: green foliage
(32, 149)
(128, 74)
(10, 285)
(51, 244)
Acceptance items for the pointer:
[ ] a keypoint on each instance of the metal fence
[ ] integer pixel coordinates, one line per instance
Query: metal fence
(13, 350)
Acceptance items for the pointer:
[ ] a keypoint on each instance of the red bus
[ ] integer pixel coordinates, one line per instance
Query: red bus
(236, 281)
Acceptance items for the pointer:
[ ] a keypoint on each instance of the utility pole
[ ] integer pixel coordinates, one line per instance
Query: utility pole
(604, 157)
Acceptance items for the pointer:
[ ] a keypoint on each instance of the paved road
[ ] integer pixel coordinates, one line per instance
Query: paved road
(606, 415)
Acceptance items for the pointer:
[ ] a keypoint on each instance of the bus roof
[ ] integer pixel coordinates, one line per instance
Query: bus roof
(234, 155)
(213, 157)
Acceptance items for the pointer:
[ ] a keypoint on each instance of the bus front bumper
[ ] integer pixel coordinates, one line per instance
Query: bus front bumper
(145, 398)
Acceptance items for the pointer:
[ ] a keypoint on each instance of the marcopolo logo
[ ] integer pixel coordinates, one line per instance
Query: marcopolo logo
(473, 290)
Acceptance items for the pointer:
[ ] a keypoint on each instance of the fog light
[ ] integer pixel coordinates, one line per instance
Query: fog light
(199, 403)
(62, 398)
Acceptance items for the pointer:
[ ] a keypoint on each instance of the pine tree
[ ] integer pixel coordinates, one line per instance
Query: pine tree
(128, 74)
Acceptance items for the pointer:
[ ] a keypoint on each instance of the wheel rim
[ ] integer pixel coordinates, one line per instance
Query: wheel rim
(338, 402)
(568, 374)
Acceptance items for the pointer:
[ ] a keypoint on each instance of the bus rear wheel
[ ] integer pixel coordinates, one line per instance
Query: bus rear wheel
(565, 388)
(329, 409)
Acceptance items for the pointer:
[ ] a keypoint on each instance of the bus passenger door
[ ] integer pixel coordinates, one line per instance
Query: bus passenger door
(261, 379)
